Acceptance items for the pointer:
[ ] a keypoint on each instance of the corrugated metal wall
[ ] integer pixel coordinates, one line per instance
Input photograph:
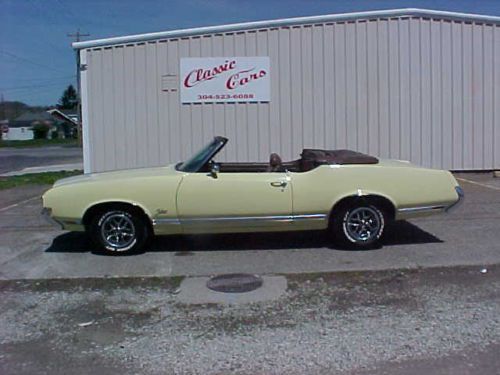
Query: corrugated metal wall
(425, 90)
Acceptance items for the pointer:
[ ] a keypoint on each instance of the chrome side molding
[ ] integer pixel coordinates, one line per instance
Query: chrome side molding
(420, 209)
(237, 219)
(460, 200)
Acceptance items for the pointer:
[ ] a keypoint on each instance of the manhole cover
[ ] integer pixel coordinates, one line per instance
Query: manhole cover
(234, 283)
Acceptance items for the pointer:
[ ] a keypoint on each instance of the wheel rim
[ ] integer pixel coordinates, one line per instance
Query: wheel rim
(118, 230)
(363, 224)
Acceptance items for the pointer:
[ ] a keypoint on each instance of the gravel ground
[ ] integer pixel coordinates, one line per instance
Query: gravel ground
(352, 323)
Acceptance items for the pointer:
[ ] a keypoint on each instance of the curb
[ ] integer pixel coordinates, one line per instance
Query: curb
(45, 168)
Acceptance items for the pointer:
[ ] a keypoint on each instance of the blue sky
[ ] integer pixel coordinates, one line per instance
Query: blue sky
(37, 62)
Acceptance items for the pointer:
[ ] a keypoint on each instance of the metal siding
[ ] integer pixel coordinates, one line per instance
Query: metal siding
(110, 127)
(173, 122)
(284, 81)
(488, 74)
(84, 88)
(351, 123)
(262, 125)
(129, 108)
(163, 105)
(340, 140)
(496, 98)
(361, 135)
(404, 91)
(467, 93)
(318, 87)
(423, 89)
(426, 84)
(383, 95)
(447, 108)
(120, 136)
(456, 96)
(329, 83)
(394, 90)
(252, 109)
(415, 92)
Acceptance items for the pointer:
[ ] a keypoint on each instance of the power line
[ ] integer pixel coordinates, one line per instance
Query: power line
(22, 59)
(47, 14)
(40, 80)
(32, 86)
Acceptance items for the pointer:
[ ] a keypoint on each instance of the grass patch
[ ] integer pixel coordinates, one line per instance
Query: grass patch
(46, 178)
(39, 143)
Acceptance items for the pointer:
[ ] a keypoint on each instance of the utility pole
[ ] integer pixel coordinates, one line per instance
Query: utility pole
(2, 113)
(77, 37)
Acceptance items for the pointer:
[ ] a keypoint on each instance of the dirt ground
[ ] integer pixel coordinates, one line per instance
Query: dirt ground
(433, 321)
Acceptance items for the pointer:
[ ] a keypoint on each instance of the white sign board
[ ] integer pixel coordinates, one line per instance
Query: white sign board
(225, 79)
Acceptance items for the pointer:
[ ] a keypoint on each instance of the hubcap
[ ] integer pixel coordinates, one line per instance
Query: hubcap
(118, 230)
(363, 224)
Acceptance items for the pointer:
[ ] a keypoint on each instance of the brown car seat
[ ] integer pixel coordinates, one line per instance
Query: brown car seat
(275, 164)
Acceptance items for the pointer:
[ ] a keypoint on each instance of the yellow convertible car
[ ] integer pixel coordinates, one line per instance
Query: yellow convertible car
(353, 195)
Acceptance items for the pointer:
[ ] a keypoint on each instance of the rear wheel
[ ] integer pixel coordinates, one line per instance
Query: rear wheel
(119, 230)
(360, 225)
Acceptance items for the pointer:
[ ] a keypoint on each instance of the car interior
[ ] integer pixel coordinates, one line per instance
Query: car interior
(309, 160)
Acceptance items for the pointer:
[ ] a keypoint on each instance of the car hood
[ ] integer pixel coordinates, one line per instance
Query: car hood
(118, 175)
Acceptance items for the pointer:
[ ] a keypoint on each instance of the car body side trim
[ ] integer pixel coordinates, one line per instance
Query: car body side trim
(420, 209)
(271, 218)
(166, 221)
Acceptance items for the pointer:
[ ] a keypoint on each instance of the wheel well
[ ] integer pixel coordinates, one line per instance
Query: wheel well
(381, 202)
(94, 210)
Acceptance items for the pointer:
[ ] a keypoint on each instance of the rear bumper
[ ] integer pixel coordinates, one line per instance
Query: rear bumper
(460, 200)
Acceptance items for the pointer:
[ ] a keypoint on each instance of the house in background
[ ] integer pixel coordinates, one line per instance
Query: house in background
(67, 122)
(20, 129)
(62, 124)
(4, 127)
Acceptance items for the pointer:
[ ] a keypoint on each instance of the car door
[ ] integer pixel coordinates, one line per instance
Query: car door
(231, 202)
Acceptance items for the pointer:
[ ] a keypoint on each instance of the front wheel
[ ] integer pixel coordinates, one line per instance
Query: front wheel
(119, 231)
(360, 225)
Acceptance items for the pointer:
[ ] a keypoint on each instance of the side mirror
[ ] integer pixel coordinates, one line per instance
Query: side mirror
(214, 169)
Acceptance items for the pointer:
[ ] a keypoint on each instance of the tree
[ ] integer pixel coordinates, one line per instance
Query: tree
(68, 99)
(40, 130)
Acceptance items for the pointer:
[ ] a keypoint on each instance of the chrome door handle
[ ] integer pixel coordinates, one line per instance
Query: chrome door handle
(279, 184)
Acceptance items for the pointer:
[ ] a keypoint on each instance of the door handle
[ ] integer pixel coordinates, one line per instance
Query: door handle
(281, 184)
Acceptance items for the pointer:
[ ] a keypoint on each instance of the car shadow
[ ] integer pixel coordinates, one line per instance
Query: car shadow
(398, 233)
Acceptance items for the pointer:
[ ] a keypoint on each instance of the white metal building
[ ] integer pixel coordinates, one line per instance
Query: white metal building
(408, 84)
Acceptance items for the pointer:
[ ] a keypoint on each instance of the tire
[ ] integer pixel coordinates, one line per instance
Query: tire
(359, 225)
(119, 231)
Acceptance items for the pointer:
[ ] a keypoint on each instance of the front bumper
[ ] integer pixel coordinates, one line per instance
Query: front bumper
(460, 200)
(47, 215)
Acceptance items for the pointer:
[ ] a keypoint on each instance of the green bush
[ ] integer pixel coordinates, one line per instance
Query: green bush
(54, 134)
(40, 131)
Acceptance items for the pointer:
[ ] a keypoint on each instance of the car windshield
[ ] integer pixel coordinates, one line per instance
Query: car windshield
(196, 162)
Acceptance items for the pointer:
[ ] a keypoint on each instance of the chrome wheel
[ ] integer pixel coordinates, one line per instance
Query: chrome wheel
(118, 231)
(363, 224)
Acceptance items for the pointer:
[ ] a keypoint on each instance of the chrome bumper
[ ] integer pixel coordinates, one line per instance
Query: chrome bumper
(47, 215)
(461, 197)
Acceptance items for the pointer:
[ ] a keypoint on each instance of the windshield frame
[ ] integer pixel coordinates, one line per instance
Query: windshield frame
(196, 162)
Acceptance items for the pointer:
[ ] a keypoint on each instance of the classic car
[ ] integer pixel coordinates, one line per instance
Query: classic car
(348, 193)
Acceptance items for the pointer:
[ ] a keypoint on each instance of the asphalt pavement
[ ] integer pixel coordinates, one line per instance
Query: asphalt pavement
(14, 159)
(427, 302)
(30, 248)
